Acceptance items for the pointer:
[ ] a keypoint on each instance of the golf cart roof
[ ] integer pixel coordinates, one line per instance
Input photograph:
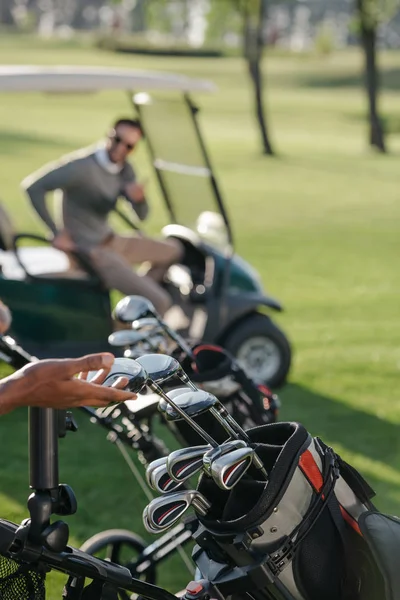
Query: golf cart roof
(16, 78)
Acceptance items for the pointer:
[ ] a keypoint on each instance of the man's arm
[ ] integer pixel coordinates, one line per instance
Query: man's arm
(134, 193)
(46, 180)
(52, 384)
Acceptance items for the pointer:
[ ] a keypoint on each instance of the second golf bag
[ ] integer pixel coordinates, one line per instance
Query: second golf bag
(216, 371)
(308, 533)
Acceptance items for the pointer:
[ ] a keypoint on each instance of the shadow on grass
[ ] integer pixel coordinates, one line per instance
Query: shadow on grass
(328, 417)
(389, 80)
(12, 142)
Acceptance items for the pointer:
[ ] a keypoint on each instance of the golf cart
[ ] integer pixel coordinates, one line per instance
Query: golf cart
(58, 312)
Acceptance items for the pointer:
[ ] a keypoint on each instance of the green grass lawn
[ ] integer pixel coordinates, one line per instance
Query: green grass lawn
(320, 222)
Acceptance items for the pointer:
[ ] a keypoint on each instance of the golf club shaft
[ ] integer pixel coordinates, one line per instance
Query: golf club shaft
(225, 424)
(158, 390)
(177, 338)
(185, 379)
(257, 462)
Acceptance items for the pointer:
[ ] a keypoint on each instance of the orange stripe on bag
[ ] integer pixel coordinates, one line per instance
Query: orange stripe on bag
(350, 520)
(310, 469)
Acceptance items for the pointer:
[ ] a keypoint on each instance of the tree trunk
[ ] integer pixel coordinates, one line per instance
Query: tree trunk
(253, 51)
(256, 76)
(368, 38)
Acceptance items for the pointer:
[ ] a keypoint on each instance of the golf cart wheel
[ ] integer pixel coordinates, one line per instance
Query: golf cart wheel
(122, 547)
(261, 348)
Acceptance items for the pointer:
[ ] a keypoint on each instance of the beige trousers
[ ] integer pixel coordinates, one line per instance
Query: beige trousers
(113, 262)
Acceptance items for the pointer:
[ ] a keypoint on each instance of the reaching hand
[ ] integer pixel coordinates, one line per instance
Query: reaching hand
(63, 241)
(5, 317)
(52, 384)
(135, 191)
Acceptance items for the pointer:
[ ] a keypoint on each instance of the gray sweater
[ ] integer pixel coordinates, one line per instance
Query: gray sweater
(89, 192)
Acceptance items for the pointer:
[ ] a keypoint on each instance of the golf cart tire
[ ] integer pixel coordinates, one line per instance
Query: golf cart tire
(259, 325)
(111, 537)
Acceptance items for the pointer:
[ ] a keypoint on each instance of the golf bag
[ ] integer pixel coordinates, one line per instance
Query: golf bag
(216, 371)
(308, 533)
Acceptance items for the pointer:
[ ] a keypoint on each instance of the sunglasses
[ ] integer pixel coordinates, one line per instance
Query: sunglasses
(117, 140)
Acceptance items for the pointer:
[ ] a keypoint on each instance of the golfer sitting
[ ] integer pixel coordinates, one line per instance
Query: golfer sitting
(91, 181)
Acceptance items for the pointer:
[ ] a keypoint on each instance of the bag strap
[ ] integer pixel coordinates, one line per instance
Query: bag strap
(356, 482)
(354, 479)
(349, 584)
(338, 521)
(278, 560)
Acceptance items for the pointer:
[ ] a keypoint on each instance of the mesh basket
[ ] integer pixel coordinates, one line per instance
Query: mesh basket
(20, 581)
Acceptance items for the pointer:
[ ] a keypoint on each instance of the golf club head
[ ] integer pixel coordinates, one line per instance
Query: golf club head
(219, 451)
(133, 308)
(147, 324)
(151, 467)
(159, 367)
(124, 367)
(228, 469)
(185, 462)
(162, 405)
(194, 403)
(134, 352)
(126, 337)
(162, 480)
(165, 511)
(145, 518)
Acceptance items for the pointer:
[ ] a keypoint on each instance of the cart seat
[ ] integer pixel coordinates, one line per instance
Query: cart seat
(182, 233)
(41, 262)
(144, 407)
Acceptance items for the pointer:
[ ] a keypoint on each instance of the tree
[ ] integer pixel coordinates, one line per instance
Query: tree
(252, 16)
(254, 20)
(370, 14)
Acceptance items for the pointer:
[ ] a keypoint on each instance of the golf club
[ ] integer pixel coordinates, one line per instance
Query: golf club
(147, 324)
(138, 379)
(134, 308)
(124, 367)
(162, 481)
(197, 402)
(186, 462)
(161, 367)
(152, 467)
(229, 468)
(194, 403)
(172, 394)
(221, 450)
(158, 477)
(201, 432)
(146, 522)
(165, 511)
(126, 337)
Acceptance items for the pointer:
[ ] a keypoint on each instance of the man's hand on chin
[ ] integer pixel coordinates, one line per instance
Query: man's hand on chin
(135, 191)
